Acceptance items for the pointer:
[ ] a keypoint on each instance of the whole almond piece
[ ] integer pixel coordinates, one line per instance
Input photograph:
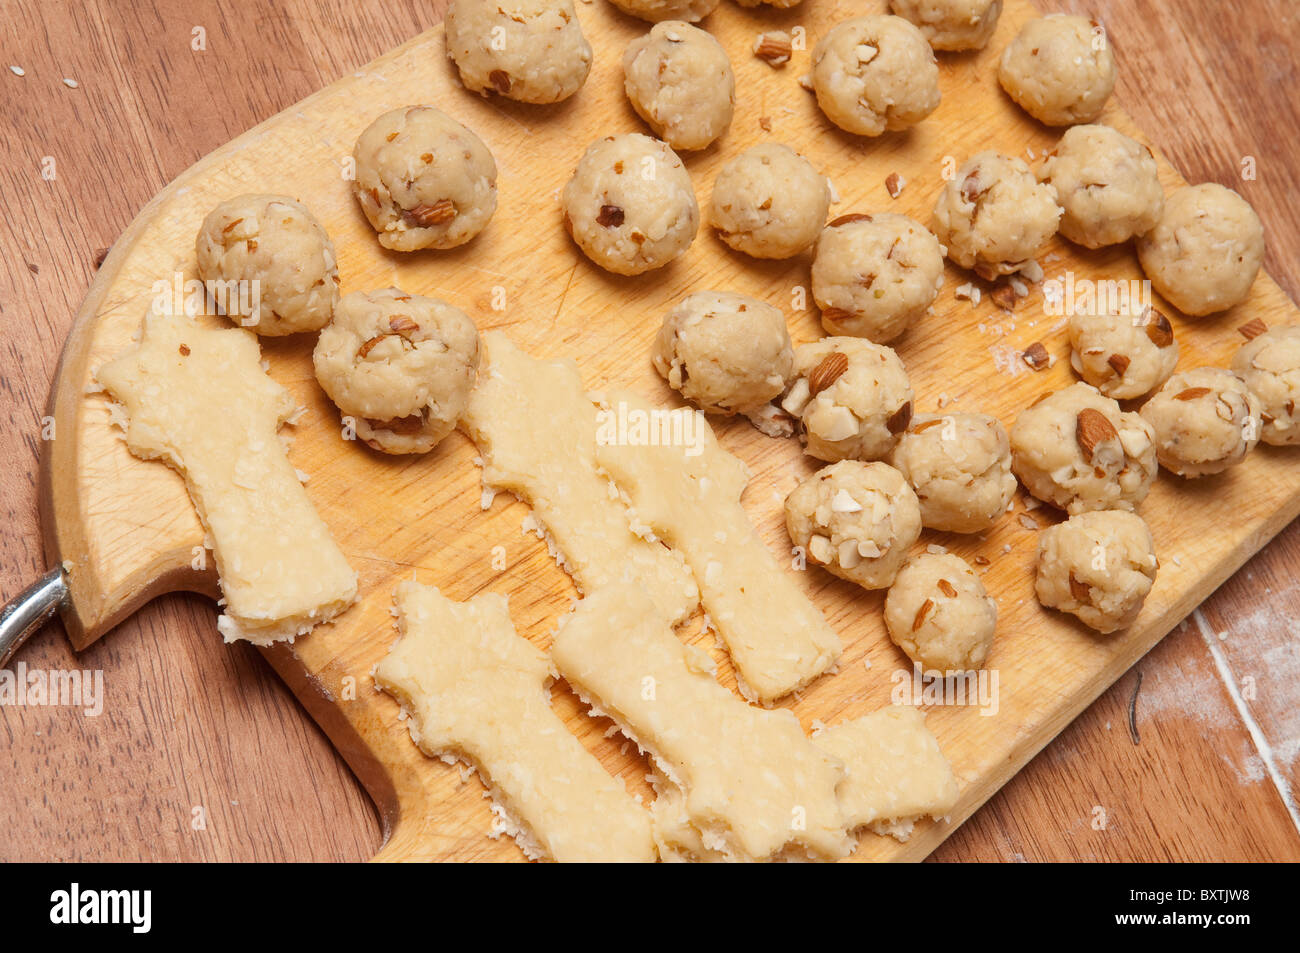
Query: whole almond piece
(1159, 331)
(1119, 363)
(899, 420)
(1092, 428)
(831, 369)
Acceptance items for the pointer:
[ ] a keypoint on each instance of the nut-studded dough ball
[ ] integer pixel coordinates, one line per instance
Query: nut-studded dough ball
(1106, 183)
(856, 520)
(1097, 566)
(1078, 451)
(1205, 420)
(873, 275)
(679, 80)
(1203, 254)
(532, 51)
(940, 614)
(960, 467)
(423, 179)
(952, 24)
(1060, 69)
(769, 202)
(630, 206)
(402, 365)
(852, 398)
(994, 216)
(726, 353)
(1122, 355)
(692, 11)
(875, 73)
(275, 241)
(1270, 365)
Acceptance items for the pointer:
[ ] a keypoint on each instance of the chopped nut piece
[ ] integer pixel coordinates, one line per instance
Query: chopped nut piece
(1191, 393)
(1081, 591)
(1159, 330)
(611, 216)
(500, 81)
(1119, 362)
(774, 48)
(765, 123)
(831, 368)
(1036, 356)
(426, 216)
(1253, 328)
(894, 185)
(1004, 296)
(900, 419)
(921, 613)
(947, 588)
(848, 219)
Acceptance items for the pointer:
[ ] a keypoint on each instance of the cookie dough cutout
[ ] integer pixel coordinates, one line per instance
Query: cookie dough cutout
(960, 467)
(1205, 251)
(1204, 420)
(630, 206)
(198, 399)
(536, 429)
(423, 180)
(1097, 566)
(400, 365)
(655, 11)
(769, 202)
(939, 613)
(275, 242)
(1269, 363)
(1059, 69)
(952, 24)
(855, 520)
(531, 51)
(679, 80)
(474, 691)
(751, 783)
(875, 74)
(1122, 355)
(688, 492)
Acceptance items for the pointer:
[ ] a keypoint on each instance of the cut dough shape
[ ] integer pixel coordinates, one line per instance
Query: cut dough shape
(751, 784)
(690, 497)
(535, 429)
(198, 399)
(476, 691)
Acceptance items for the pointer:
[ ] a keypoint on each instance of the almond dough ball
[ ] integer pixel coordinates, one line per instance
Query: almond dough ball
(679, 80)
(726, 353)
(1060, 69)
(275, 241)
(630, 206)
(1122, 355)
(423, 179)
(769, 202)
(1270, 365)
(402, 365)
(1097, 566)
(692, 11)
(952, 24)
(855, 520)
(1078, 451)
(532, 51)
(875, 73)
(851, 397)
(1205, 420)
(940, 614)
(1107, 184)
(1203, 254)
(994, 216)
(960, 467)
(873, 275)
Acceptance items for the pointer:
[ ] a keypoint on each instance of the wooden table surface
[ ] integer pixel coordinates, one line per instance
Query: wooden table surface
(201, 754)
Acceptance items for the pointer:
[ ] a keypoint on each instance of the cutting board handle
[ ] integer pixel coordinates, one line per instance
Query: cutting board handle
(26, 612)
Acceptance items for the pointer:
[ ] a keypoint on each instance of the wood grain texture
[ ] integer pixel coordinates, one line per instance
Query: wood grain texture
(1250, 841)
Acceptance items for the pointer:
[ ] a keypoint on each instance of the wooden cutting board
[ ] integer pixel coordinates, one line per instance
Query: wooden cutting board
(128, 531)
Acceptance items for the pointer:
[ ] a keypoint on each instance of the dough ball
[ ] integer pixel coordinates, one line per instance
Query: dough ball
(994, 216)
(1078, 451)
(1203, 254)
(532, 51)
(1098, 566)
(275, 241)
(1107, 185)
(423, 179)
(769, 202)
(1060, 69)
(1270, 366)
(952, 24)
(873, 74)
(630, 206)
(1205, 420)
(960, 467)
(726, 353)
(939, 613)
(402, 365)
(1122, 355)
(679, 81)
(692, 11)
(873, 275)
(855, 520)
(851, 397)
